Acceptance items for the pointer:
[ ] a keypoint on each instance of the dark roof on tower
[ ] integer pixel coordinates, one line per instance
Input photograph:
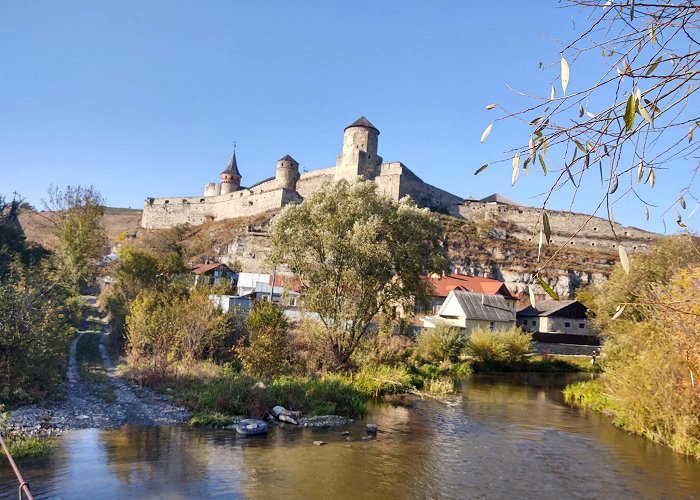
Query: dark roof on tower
(232, 167)
(287, 158)
(362, 122)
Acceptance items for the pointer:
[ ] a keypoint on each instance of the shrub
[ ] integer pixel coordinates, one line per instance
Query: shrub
(489, 346)
(442, 343)
(264, 354)
(378, 380)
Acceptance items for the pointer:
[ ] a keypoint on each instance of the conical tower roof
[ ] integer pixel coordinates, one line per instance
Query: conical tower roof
(287, 158)
(232, 167)
(362, 122)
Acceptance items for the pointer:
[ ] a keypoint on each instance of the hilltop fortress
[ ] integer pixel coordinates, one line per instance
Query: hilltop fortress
(227, 198)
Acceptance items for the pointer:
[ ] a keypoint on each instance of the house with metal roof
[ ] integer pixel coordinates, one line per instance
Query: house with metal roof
(557, 321)
(469, 310)
(441, 286)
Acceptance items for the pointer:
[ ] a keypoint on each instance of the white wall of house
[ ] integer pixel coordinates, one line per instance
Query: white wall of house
(553, 324)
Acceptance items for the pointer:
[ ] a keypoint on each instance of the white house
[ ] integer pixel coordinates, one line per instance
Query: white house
(469, 310)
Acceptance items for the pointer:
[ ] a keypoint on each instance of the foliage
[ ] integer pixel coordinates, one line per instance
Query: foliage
(587, 394)
(78, 225)
(264, 352)
(214, 419)
(507, 346)
(442, 343)
(13, 243)
(34, 334)
(378, 380)
(631, 289)
(358, 253)
(632, 112)
(168, 325)
(136, 270)
(651, 358)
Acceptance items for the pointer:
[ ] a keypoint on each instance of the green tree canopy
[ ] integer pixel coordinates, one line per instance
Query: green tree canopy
(357, 253)
(78, 225)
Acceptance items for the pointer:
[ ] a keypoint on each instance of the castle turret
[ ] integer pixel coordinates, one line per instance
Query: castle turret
(287, 173)
(359, 156)
(231, 177)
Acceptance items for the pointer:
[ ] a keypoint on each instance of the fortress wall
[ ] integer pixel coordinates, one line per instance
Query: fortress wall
(162, 213)
(428, 196)
(596, 233)
(310, 182)
(266, 185)
(389, 180)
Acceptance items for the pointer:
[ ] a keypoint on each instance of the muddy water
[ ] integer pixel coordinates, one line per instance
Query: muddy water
(503, 437)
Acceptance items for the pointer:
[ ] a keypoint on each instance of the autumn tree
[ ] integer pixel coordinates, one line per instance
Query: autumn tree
(357, 253)
(76, 214)
(620, 110)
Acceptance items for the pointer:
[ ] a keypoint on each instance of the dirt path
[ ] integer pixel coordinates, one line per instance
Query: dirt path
(83, 408)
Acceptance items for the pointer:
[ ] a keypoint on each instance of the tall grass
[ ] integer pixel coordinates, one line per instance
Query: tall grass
(505, 346)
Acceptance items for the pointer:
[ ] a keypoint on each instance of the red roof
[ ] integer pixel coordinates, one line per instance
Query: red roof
(293, 284)
(442, 286)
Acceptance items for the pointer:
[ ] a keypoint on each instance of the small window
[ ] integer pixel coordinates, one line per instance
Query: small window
(567, 324)
(582, 325)
(534, 323)
(492, 325)
(595, 228)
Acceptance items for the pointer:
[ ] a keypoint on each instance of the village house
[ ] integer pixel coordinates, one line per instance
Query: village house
(558, 321)
(443, 285)
(265, 286)
(212, 273)
(469, 310)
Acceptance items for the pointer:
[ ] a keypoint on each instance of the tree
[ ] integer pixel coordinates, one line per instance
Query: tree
(77, 219)
(357, 253)
(626, 124)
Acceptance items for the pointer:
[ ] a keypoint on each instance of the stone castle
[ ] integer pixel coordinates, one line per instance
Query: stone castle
(227, 198)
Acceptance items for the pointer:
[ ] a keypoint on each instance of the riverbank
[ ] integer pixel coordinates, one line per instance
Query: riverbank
(95, 397)
(591, 395)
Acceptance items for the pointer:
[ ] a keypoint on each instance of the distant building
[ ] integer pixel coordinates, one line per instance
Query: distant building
(468, 310)
(557, 321)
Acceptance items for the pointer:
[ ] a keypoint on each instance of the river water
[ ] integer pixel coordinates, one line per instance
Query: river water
(502, 437)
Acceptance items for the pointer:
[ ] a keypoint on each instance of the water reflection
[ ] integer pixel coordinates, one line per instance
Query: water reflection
(502, 437)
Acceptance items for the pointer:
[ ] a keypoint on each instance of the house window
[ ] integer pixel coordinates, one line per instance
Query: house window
(492, 325)
(567, 324)
(534, 323)
(581, 325)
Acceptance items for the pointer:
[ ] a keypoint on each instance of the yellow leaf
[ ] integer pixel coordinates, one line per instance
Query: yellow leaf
(618, 312)
(516, 169)
(491, 106)
(652, 178)
(552, 94)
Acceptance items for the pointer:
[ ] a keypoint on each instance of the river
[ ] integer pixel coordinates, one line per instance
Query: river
(504, 436)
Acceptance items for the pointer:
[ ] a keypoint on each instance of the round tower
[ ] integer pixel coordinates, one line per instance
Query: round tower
(231, 177)
(287, 173)
(359, 156)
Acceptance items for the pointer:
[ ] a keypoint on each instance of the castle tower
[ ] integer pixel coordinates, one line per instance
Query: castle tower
(231, 177)
(287, 173)
(359, 156)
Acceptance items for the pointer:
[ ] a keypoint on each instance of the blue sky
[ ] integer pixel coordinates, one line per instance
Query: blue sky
(145, 98)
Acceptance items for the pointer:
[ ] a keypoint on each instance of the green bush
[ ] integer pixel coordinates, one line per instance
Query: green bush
(442, 343)
(509, 346)
(264, 354)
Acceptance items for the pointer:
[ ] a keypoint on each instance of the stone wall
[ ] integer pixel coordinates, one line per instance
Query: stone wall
(162, 213)
(310, 182)
(522, 224)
